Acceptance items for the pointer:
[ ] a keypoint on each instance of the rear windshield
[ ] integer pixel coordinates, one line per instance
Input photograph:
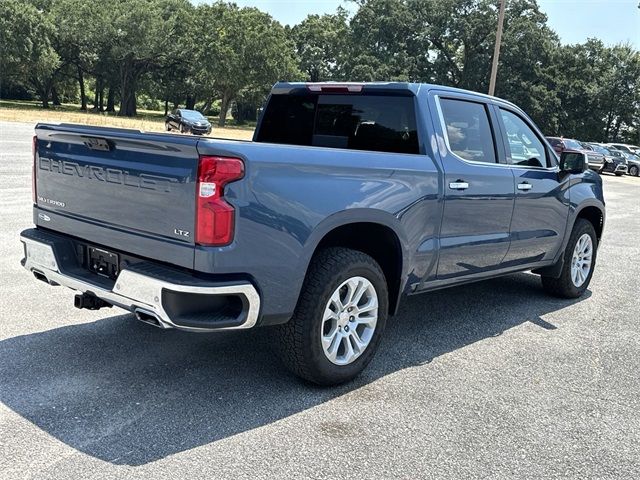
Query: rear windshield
(358, 122)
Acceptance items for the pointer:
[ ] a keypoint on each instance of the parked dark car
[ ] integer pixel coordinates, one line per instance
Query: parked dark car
(633, 163)
(596, 160)
(615, 160)
(340, 207)
(188, 121)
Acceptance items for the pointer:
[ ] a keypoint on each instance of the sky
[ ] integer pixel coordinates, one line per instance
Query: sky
(612, 21)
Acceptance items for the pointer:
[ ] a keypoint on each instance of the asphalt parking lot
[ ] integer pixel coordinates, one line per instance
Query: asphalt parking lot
(489, 380)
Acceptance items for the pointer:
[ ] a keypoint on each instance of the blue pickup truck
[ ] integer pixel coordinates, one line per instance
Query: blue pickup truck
(349, 198)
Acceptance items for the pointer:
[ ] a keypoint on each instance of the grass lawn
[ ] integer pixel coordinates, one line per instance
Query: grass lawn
(148, 120)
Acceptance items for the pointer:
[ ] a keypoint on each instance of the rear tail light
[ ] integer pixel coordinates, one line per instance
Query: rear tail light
(214, 216)
(34, 152)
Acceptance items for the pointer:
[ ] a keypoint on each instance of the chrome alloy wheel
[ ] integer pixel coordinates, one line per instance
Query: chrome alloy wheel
(349, 320)
(581, 260)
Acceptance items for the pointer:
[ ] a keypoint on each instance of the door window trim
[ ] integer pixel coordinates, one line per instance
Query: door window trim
(500, 157)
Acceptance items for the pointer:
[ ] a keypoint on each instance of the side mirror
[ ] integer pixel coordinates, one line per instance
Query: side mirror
(574, 162)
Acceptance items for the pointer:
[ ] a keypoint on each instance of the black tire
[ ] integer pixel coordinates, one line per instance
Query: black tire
(634, 170)
(563, 286)
(299, 340)
(167, 126)
(182, 129)
(619, 174)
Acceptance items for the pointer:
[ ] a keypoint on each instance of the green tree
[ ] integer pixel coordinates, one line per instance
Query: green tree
(241, 48)
(382, 42)
(84, 45)
(321, 45)
(528, 68)
(148, 36)
(599, 90)
(26, 51)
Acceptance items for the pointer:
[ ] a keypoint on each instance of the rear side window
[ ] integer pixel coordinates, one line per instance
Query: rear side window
(380, 123)
(468, 130)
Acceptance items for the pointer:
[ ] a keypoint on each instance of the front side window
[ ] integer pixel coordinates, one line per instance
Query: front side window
(468, 130)
(524, 147)
(380, 123)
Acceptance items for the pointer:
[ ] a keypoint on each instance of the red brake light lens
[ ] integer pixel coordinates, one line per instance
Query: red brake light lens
(214, 216)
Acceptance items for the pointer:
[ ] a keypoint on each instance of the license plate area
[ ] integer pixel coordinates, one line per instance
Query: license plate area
(103, 262)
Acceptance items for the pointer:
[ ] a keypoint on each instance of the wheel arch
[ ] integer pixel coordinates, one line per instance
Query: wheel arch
(593, 214)
(377, 235)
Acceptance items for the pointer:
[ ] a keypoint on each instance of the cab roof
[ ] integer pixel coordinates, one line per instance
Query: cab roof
(377, 87)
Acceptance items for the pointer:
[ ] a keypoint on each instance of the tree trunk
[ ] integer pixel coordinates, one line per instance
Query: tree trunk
(206, 107)
(616, 130)
(607, 129)
(55, 99)
(224, 108)
(166, 107)
(96, 97)
(111, 99)
(43, 92)
(83, 96)
(191, 102)
(127, 89)
(101, 99)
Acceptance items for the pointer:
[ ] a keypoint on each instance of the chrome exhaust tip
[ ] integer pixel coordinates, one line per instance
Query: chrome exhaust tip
(148, 317)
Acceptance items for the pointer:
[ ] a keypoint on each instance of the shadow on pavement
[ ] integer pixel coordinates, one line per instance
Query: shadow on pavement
(130, 394)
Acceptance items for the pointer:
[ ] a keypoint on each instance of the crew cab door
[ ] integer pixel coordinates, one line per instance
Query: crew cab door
(542, 203)
(478, 187)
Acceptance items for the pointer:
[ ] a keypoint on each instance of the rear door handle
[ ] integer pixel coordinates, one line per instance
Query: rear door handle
(525, 186)
(458, 185)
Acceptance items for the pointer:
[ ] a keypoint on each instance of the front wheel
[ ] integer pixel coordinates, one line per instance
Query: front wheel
(634, 170)
(579, 263)
(339, 319)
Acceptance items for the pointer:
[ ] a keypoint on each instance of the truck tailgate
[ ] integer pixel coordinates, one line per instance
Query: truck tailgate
(117, 179)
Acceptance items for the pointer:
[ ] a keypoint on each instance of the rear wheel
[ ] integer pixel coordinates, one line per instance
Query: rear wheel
(339, 319)
(634, 170)
(579, 262)
(619, 174)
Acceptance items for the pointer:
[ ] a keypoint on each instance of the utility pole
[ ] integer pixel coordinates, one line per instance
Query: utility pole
(496, 50)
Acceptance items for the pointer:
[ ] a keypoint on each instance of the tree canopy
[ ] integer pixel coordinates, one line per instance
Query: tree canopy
(220, 56)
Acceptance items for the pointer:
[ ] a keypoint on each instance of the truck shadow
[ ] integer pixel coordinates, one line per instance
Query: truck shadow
(130, 394)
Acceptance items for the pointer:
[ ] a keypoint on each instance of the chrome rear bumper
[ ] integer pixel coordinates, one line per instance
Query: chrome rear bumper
(152, 297)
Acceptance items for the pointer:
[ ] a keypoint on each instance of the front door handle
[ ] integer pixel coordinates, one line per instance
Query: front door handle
(458, 185)
(525, 186)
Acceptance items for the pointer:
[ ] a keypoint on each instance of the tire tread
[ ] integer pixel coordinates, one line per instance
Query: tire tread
(291, 337)
(563, 286)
